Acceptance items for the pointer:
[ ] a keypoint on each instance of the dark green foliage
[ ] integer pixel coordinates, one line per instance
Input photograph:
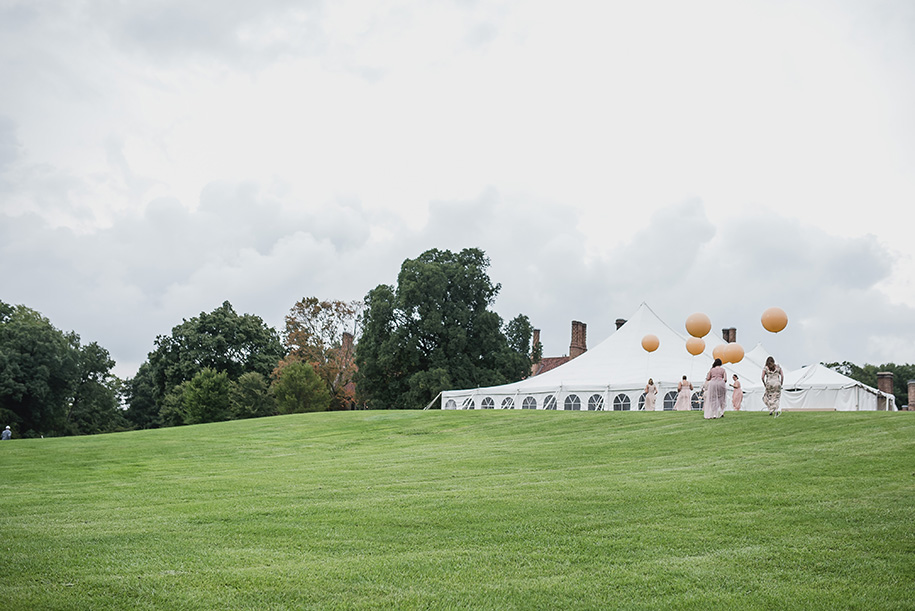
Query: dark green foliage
(140, 396)
(95, 404)
(250, 397)
(206, 397)
(173, 410)
(435, 331)
(299, 389)
(49, 383)
(868, 375)
(220, 340)
(38, 369)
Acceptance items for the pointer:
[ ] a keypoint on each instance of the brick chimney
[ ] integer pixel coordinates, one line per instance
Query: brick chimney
(911, 395)
(620, 322)
(535, 340)
(579, 343)
(729, 335)
(884, 383)
(347, 344)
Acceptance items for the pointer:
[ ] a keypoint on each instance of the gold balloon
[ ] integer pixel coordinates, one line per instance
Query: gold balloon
(650, 342)
(695, 346)
(698, 324)
(734, 352)
(774, 320)
(719, 352)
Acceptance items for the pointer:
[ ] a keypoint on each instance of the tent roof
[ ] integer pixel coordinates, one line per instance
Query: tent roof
(819, 376)
(620, 360)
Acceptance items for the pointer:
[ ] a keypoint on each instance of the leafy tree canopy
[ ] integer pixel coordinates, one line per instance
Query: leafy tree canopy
(49, 383)
(435, 331)
(220, 340)
(298, 389)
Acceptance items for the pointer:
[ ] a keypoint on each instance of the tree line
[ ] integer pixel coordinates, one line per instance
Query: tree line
(396, 349)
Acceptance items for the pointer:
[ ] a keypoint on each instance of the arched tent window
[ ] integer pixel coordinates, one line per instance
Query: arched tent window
(572, 402)
(596, 403)
(508, 403)
(669, 400)
(621, 403)
(468, 403)
(529, 403)
(549, 402)
(487, 403)
(696, 401)
(450, 404)
(642, 402)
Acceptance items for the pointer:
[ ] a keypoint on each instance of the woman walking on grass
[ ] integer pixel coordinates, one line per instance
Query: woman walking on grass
(651, 393)
(737, 399)
(684, 395)
(772, 379)
(716, 392)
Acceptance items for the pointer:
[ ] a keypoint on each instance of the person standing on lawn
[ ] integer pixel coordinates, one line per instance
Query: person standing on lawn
(772, 379)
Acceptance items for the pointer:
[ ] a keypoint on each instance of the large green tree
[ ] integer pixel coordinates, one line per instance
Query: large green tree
(436, 331)
(298, 389)
(49, 383)
(95, 406)
(140, 397)
(206, 397)
(220, 340)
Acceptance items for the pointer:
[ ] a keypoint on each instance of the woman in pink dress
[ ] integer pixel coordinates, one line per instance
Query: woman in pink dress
(684, 395)
(716, 393)
(651, 393)
(737, 398)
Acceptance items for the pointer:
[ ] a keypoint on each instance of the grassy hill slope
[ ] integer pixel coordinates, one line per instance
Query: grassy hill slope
(481, 509)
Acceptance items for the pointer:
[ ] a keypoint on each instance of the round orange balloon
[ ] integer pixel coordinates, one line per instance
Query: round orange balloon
(698, 324)
(695, 346)
(774, 320)
(734, 352)
(650, 342)
(719, 352)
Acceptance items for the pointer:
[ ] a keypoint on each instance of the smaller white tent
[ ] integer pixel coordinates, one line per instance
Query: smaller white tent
(819, 387)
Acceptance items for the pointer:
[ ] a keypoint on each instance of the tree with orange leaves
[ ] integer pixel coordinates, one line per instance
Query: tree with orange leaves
(323, 334)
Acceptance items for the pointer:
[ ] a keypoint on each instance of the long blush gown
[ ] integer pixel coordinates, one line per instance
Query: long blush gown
(651, 393)
(684, 395)
(716, 395)
(737, 399)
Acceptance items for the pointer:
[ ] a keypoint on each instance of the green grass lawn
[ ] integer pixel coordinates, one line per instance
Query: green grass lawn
(474, 510)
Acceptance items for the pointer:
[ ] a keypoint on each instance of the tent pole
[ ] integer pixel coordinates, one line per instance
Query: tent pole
(433, 400)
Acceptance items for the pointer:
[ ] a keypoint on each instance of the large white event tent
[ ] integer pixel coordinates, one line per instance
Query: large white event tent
(613, 375)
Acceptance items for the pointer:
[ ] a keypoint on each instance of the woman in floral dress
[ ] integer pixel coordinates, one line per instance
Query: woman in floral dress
(772, 379)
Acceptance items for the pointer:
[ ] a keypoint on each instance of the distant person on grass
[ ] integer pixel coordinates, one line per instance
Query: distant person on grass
(7, 434)
(772, 379)
(684, 395)
(737, 399)
(651, 393)
(716, 393)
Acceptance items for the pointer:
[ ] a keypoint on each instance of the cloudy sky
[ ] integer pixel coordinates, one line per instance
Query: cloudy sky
(159, 157)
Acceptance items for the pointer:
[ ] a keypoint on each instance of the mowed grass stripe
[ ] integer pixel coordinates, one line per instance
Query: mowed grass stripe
(481, 509)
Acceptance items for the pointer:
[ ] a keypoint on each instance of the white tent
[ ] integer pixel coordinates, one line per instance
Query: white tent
(819, 387)
(613, 374)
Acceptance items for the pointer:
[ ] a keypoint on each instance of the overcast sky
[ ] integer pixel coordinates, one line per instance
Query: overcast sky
(159, 157)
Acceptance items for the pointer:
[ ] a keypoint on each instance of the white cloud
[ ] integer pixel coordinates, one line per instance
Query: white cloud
(157, 158)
